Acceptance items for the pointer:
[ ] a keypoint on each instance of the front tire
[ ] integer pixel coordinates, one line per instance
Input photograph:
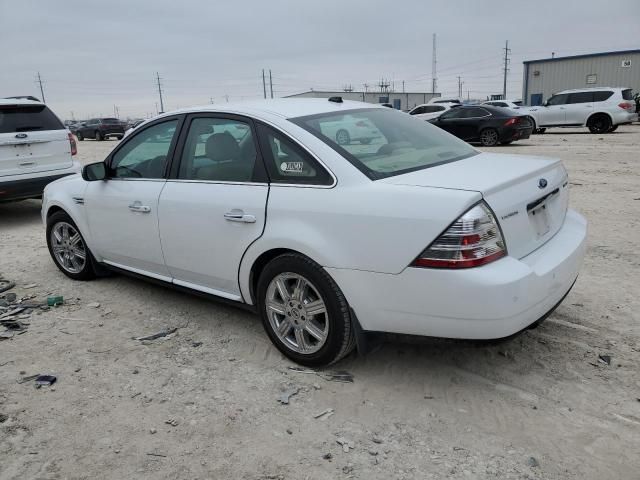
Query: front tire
(613, 128)
(304, 311)
(99, 136)
(599, 124)
(68, 248)
(489, 137)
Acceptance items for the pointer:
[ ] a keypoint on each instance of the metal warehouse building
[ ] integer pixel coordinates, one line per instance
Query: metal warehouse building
(542, 78)
(401, 101)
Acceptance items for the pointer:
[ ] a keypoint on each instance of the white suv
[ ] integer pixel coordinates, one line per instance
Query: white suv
(431, 111)
(35, 149)
(600, 109)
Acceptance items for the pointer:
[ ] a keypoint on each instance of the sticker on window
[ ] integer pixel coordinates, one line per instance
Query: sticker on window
(292, 167)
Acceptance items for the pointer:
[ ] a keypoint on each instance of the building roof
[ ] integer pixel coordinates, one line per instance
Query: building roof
(586, 55)
(359, 92)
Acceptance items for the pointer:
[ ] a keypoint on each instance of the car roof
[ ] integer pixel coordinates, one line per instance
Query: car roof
(282, 107)
(589, 89)
(18, 101)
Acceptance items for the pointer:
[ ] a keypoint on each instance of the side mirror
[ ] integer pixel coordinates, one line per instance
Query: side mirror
(94, 171)
(545, 104)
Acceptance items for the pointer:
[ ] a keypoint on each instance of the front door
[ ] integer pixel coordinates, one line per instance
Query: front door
(123, 210)
(213, 206)
(579, 107)
(554, 111)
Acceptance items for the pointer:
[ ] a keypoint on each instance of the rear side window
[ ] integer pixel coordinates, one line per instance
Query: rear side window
(626, 94)
(27, 118)
(580, 97)
(288, 162)
(602, 96)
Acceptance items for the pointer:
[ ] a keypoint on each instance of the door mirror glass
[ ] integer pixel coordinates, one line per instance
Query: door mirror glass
(94, 172)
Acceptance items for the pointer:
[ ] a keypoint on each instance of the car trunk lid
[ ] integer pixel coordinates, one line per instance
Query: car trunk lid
(32, 140)
(529, 195)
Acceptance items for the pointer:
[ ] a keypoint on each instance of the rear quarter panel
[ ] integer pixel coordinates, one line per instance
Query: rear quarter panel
(372, 226)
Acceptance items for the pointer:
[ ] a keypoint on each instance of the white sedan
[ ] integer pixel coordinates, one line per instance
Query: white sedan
(415, 233)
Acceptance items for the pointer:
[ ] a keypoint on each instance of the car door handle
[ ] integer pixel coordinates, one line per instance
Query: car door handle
(136, 207)
(239, 216)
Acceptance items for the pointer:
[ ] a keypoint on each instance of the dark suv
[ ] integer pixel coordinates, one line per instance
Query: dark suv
(101, 129)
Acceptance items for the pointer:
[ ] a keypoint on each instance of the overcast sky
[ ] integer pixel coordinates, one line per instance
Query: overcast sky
(94, 54)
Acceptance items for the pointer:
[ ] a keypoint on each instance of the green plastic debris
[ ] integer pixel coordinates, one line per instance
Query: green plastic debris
(54, 301)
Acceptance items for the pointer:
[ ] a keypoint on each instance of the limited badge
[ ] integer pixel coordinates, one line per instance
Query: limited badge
(291, 167)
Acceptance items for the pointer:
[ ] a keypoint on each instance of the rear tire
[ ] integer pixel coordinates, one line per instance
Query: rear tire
(343, 137)
(68, 249)
(540, 131)
(315, 317)
(120, 137)
(489, 137)
(98, 136)
(599, 123)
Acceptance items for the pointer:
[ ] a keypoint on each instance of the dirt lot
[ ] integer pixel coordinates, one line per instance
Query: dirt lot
(540, 406)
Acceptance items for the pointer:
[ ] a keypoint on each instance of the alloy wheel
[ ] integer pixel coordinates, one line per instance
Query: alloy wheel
(489, 137)
(68, 247)
(297, 313)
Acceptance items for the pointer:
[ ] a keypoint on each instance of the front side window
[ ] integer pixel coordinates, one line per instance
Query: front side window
(145, 154)
(27, 118)
(218, 150)
(558, 99)
(401, 143)
(287, 162)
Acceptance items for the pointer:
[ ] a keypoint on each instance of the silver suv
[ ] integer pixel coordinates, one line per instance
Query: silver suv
(35, 149)
(600, 109)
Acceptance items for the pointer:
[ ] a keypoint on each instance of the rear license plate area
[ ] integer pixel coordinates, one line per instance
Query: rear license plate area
(539, 218)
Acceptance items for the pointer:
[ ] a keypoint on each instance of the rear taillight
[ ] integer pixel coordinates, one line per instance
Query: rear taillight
(472, 240)
(626, 105)
(511, 121)
(72, 142)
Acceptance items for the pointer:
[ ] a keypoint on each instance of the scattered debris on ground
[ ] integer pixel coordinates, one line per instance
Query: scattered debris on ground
(331, 376)
(164, 333)
(284, 396)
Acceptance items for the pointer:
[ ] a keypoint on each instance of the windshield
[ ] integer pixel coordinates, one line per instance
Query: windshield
(27, 118)
(382, 142)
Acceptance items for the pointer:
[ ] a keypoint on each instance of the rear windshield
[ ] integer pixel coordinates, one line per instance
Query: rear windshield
(27, 118)
(381, 142)
(110, 120)
(627, 94)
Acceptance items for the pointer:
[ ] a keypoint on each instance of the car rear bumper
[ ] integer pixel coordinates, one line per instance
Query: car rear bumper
(623, 117)
(493, 301)
(511, 134)
(22, 187)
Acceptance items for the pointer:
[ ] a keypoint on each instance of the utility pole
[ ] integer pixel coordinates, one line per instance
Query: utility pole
(264, 84)
(159, 93)
(402, 86)
(41, 89)
(270, 83)
(507, 51)
(227, 98)
(434, 80)
(459, 87)
(211, 100)
(366, 87)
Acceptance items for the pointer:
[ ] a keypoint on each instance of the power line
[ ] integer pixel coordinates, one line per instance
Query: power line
(160, 93)
(270, 83)
(434, 81)
(264, 85)
(41, 89)
(507, 51)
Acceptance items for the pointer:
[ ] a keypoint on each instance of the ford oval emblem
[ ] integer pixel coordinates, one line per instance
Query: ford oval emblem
(21, 135)
(542, 183)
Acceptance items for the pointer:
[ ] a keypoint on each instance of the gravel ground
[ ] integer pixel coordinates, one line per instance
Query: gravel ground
(204, 402)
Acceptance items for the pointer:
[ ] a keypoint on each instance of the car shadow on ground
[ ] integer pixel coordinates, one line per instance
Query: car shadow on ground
(15, 214)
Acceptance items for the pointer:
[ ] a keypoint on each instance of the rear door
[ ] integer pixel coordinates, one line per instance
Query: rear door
(579, 107)
(213, 206)
(472, 122)
(32, 140)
